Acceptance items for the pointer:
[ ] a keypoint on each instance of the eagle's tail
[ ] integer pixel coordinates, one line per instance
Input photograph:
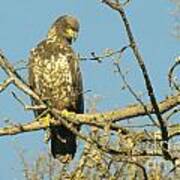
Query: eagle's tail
(63, 144)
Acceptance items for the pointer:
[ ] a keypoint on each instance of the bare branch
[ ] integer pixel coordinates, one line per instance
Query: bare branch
(140, 166)
(108, 54)
(6, 83)
(98, 120)
(29, 107)
(170, 74)
(131, 111)
(138, 99)
(18, 81)
(163, 123)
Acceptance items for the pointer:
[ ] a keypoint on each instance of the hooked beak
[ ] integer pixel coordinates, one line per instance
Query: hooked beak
(72, 34)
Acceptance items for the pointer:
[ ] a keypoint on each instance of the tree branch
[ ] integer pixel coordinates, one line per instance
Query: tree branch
(163, 123)
(6, 83)
(172, 82)
(18, 81)
(107, 54)
(96, 119)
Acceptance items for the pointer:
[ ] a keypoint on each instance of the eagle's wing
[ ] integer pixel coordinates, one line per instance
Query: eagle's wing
(54, 74)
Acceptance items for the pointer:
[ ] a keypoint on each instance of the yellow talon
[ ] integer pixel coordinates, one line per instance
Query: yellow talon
(46, 120)
(67, 114)
(64, 113)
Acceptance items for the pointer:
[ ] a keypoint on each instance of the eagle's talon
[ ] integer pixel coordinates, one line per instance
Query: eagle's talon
(45, 120)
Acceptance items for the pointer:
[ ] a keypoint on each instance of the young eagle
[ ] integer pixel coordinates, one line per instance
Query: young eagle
(54, 74)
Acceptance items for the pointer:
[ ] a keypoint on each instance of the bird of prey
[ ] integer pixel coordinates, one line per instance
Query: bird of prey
(54, 74)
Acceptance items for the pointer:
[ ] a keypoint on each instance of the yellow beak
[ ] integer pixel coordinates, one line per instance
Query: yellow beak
(72, 34)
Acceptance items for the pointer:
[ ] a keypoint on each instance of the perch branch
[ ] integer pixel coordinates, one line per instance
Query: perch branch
(96, 119)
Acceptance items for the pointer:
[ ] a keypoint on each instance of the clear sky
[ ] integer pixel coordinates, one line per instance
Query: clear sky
(24, 23)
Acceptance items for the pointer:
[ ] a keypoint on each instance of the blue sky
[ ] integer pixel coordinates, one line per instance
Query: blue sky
(24, 23)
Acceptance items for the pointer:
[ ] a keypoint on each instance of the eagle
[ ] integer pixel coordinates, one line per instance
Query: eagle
(54, 74)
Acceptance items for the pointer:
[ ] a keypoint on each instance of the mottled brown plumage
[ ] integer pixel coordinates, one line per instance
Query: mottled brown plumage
(55, 75)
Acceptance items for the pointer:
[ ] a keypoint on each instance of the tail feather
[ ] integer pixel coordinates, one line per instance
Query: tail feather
(63, 144)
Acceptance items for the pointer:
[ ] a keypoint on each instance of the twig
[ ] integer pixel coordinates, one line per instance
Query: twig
(134, 94)
(18, 99)
(6, 83)
(173, 169)
(138, 165)
(126, 2)
(94, 57)
(139, 126)
(170, 74)
(29, 107)
(175, 111)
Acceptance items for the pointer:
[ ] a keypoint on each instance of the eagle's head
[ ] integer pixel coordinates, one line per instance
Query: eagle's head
(64, 28)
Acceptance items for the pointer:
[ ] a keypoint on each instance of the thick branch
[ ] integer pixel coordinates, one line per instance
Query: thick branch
(97, 119)
(131, 111)
(27, 127)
